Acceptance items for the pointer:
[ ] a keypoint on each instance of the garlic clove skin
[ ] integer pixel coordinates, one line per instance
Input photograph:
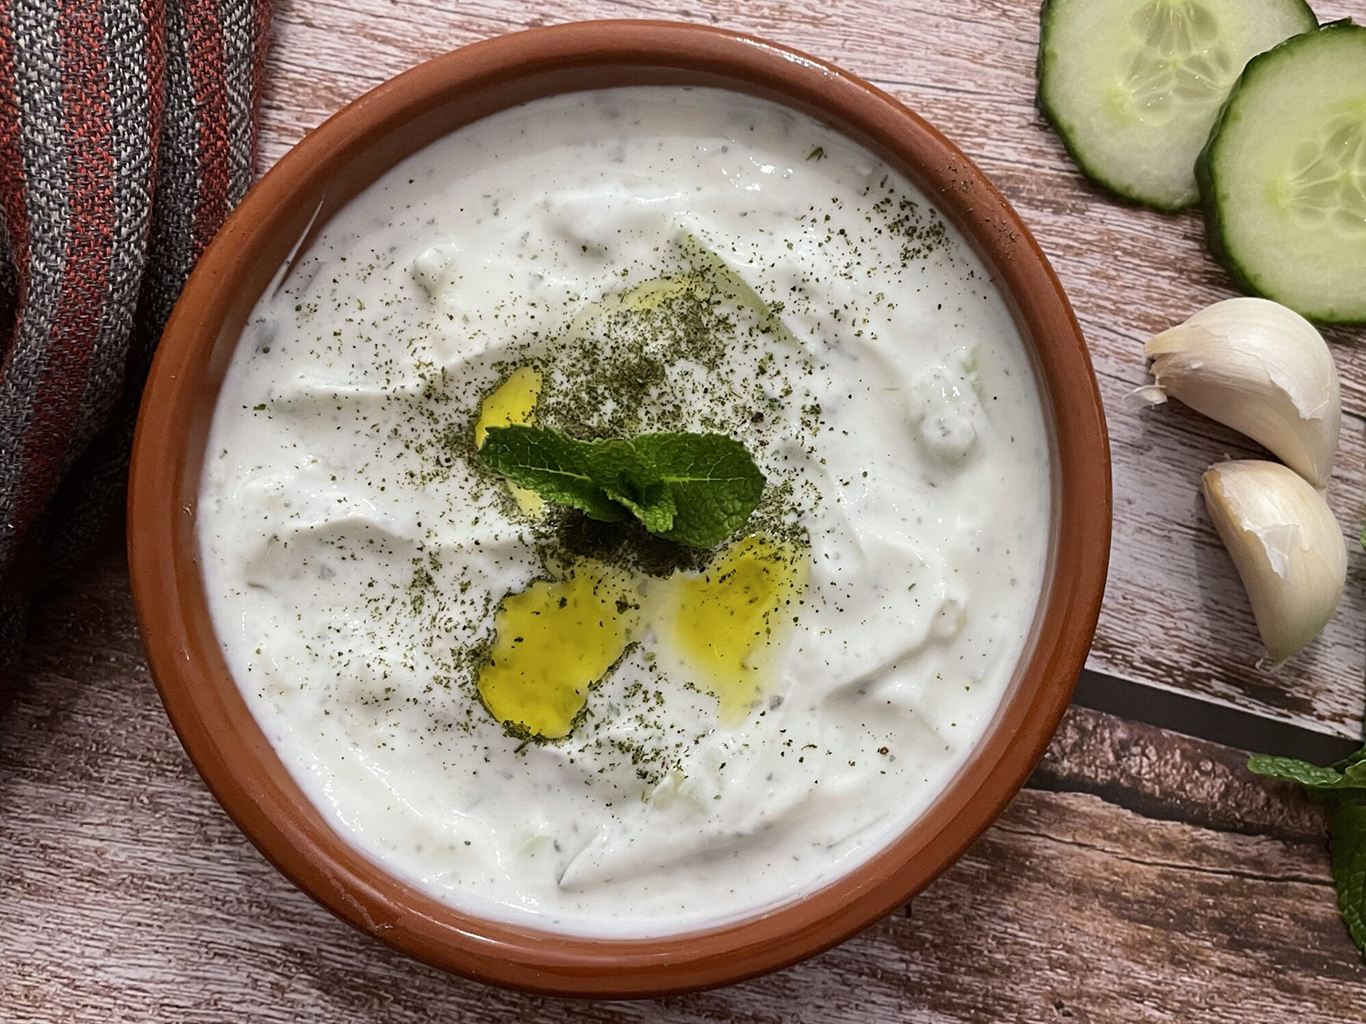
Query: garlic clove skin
(1260, 368)
(1286, 545)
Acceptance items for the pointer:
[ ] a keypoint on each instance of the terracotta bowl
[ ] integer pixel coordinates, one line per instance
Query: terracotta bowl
(320, 175)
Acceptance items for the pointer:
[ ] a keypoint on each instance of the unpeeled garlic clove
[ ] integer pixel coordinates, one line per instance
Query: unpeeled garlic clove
(1286, 545)
(1261, 369)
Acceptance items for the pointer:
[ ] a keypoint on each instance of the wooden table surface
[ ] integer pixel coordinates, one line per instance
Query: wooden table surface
(1142, 875)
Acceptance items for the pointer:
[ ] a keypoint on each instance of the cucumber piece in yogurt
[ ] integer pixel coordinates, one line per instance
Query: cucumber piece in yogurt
(1283, 178)
(1133, 86)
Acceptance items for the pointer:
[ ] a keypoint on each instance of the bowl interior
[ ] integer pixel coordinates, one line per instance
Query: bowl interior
(275, 223)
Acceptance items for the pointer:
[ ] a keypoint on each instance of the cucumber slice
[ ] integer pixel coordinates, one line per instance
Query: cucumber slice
(1133, 86)
(1283, 178)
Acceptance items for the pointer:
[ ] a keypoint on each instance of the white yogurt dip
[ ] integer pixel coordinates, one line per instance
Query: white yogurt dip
(355, 550)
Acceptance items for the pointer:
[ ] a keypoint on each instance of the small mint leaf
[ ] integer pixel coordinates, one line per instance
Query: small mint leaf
(714, 483)
(657, 516)
(629, 479)
(651, 502)
(1347, 848)
(1348, 774)
(1289, 769)
(556, 467)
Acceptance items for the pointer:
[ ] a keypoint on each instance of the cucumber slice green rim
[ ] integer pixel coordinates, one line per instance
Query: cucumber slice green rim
(1132, 87)
(1283, 176)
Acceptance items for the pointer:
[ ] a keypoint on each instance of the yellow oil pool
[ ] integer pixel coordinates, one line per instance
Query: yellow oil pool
(724, 622)
(554, 640)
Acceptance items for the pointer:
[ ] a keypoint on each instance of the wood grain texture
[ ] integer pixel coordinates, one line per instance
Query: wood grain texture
(1142, 877)
(1175, 614)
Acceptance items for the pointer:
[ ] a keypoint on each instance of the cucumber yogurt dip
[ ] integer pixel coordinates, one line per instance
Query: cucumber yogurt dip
(583, 725)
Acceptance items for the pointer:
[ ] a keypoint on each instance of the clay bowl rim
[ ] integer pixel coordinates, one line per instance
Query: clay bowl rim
(209, 715)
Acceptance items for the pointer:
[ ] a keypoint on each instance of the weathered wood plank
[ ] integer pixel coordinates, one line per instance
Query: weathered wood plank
(1175, 614)
(1142, 877)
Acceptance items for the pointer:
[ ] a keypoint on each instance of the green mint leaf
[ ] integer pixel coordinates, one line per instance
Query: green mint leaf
(1345, 775)
(626, 477)
(696, 489)
(656, 511)
(1289, 769)
(556, 467)
(714, 483)
(1347, 848)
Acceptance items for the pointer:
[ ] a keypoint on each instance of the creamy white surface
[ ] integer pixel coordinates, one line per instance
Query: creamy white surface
(927, 516)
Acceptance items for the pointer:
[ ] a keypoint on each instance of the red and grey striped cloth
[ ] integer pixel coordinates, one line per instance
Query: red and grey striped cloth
(127, 133)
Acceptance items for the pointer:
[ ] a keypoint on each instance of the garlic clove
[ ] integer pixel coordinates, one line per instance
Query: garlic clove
(1261, 369)
(1286, 545)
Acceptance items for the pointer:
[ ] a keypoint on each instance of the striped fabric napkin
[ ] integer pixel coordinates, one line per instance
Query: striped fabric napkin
(127, 133)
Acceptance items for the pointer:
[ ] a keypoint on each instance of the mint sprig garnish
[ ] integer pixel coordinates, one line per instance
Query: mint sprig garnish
(696, 489)
(1343, 786)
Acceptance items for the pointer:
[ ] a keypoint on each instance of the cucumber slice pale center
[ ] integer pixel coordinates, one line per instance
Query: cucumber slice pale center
(1177, 66)
(1324, 187)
